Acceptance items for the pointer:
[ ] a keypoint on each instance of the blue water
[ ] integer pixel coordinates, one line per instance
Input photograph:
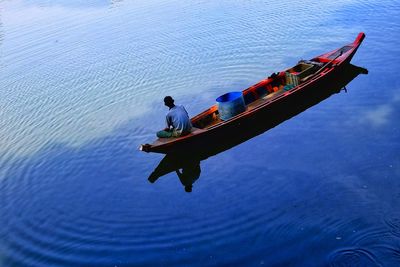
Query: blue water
(81, 86)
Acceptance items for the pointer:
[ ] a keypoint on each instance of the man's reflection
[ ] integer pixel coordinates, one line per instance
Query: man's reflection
(188, 175)
(186, 167)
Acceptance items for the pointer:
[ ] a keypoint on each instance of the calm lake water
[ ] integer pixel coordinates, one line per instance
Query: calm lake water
(81, 86)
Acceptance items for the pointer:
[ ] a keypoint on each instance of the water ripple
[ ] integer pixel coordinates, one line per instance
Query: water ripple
(81, 84)
(353, 257)
(394, 226)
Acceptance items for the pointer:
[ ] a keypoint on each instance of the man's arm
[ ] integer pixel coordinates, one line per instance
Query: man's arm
(168, 121)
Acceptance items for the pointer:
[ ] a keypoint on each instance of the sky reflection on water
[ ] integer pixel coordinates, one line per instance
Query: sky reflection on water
(80, 82)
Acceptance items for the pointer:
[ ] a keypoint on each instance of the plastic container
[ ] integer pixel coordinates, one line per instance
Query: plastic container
(288, 87)
(230, 104)
(292, 79)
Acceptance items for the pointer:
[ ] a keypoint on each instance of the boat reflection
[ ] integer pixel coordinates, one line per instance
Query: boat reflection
(187, 165)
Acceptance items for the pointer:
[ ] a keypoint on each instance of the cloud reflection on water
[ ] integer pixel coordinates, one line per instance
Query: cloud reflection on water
(80, 69)
(381, 115)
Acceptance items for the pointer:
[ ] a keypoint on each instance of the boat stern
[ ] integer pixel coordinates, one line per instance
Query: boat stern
(145, 148)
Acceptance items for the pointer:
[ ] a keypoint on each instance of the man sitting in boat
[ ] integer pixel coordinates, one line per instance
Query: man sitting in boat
(178, 121)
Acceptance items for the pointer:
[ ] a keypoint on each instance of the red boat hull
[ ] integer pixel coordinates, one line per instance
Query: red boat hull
(273, 112)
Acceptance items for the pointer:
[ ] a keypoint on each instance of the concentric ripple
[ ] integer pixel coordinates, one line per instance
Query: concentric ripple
(353, 257)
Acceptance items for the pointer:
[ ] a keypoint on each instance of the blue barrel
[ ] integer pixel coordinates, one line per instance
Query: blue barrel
(230, 104)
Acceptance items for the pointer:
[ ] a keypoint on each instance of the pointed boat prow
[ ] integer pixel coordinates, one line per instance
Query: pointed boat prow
(360, 38)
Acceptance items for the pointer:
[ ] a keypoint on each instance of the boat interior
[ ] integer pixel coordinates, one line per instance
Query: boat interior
(266, 90)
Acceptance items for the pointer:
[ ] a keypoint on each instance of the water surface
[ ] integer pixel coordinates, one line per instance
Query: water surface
(81, 86)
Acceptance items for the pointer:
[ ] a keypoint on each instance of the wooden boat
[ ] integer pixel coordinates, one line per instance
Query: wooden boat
(268, 103)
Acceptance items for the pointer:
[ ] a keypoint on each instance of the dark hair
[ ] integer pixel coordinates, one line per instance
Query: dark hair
(168, 100)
